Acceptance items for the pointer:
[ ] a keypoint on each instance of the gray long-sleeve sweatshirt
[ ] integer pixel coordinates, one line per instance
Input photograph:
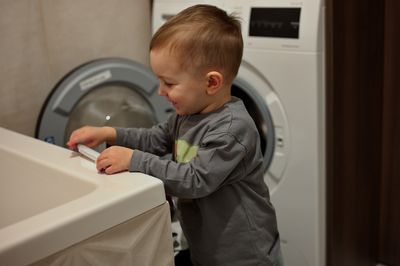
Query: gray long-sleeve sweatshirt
(217, 174)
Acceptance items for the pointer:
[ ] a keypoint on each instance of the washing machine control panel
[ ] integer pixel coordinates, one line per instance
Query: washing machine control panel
(279, 25)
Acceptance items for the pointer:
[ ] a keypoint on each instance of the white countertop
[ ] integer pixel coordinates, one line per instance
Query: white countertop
(53, 198)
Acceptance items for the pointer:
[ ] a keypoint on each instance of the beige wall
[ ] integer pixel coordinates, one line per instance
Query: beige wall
(42, 40)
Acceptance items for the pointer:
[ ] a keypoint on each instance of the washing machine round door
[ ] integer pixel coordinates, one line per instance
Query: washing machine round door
(264, 106)
(105, 92)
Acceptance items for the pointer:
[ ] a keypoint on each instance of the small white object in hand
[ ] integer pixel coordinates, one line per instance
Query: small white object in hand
(88, 152)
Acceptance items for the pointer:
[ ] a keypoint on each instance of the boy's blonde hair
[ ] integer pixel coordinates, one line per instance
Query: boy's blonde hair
(205, 37)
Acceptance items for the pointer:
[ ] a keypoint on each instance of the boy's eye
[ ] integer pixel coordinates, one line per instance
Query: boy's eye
(168, 84)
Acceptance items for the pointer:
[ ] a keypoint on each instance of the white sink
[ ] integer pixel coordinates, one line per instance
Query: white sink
(52, 198)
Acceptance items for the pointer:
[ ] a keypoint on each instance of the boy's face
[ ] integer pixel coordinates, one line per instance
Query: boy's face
(186, 92)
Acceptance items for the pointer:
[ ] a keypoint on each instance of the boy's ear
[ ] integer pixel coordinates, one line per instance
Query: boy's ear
(214, 82)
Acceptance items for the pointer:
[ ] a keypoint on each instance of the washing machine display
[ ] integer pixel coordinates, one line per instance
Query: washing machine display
(281, 81)
(274, 22)
(106, 92)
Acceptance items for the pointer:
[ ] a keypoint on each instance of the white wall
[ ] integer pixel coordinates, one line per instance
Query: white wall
(42, 40)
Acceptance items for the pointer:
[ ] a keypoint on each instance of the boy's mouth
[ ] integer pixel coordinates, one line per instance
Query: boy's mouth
(173, 103)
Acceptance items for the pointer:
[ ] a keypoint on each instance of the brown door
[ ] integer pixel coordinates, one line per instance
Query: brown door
(363, 139)
(389, 219)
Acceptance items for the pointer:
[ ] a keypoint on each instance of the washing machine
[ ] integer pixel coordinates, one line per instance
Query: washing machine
(281, 81)
(115, 92)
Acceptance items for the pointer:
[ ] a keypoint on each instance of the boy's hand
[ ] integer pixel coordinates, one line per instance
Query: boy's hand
(91, 136)
(114, 159)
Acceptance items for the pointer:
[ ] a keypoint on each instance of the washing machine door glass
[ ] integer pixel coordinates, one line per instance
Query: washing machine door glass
(116, 106)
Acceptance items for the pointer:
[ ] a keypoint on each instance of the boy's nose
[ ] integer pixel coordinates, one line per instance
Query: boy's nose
(162, 91)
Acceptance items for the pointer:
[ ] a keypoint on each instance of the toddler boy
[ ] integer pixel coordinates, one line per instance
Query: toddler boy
(217, 167)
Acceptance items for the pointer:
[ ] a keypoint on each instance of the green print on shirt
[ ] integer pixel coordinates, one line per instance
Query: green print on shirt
(185, 152)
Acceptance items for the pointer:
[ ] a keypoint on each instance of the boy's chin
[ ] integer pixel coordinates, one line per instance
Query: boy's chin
(182, 112)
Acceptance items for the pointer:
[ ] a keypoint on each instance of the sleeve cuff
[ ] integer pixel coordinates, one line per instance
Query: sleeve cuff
(119, 140)
(136, 161)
